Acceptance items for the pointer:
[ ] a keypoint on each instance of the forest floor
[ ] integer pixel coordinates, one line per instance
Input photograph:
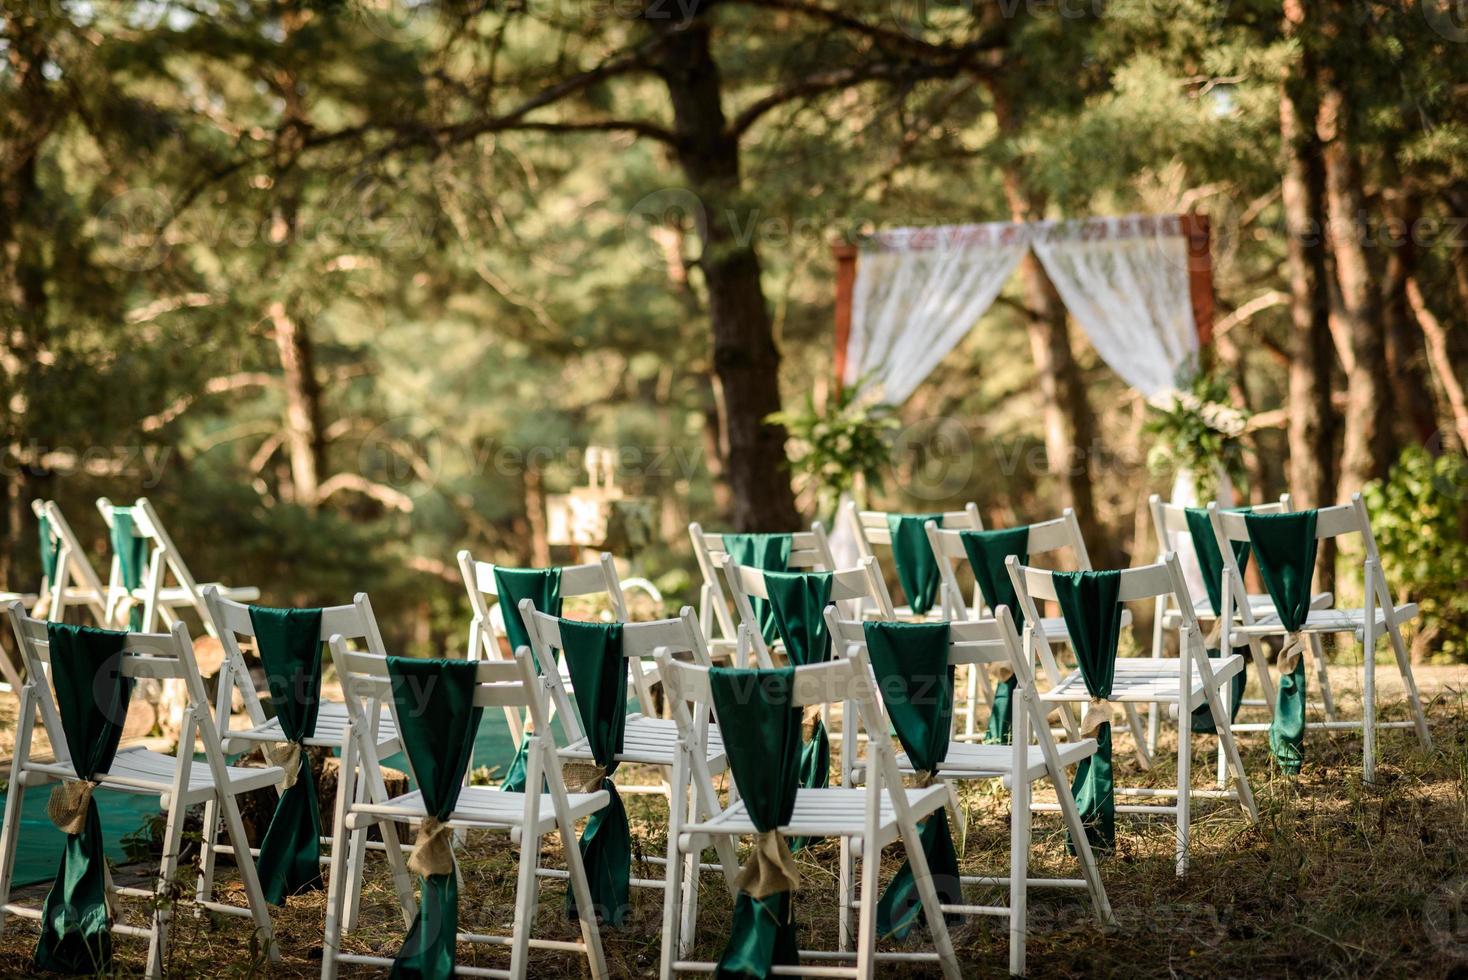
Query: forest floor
(1337, 879)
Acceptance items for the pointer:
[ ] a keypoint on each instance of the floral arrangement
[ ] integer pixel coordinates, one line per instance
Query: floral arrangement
(831, 447)
(1195, 428)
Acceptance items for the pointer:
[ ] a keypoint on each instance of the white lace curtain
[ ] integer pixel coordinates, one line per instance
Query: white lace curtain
(1125, 280)
(919, 291)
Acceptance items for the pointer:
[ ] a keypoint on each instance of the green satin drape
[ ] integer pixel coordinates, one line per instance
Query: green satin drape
(132, 559)
(92, 698)
(1285, 546)
(437, 720)
(593, 653)
(910, 661)
(761, 731)
(50, 550)
(917, 569)
(1089, 602)
(987, 552)
(288, 642)
(768, 553)
(1210, 564)
(542, 586)
(799, 601)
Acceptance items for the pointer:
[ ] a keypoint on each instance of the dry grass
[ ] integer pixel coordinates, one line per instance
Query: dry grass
(1337, 879)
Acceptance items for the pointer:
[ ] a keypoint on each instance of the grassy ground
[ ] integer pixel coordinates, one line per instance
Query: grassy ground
(1337, 879)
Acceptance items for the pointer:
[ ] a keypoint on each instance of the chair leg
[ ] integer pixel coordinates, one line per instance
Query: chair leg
(355, 845)
(1019, 873)
(167, 869)
(1139, 736)
(336, 874)
(590, 931)
(866, 940)
(1230, 746)
(970, 722)
(254, 894)
(1184, 785)
(1159, 638)
(691, 882)
(1327, 697)
(846, 875)
(401, 880)
(1261, 668)
(1414, 699)
(14, 797)
(525, 899)
(672, 945)
(204, 892)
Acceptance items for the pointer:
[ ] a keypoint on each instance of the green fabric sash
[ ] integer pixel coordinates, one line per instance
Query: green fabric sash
(593, 653)
(1285, 545)
(762, 741)
(1089, 602)
(438, 720)
(1210, 563)
(50, 550)
(799, 601)
(289, 644)
(916, 680)
(542, 586)
(92, 697)
(768, 553)
(917, 569)
(987, 552)
(132, 559)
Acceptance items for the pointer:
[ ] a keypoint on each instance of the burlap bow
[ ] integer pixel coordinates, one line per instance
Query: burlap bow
(287, 755)
(1001, 673)
(433, 851)
(1098, 713)
(770, 869)
(67, 807)
(584, 777)
(1289, 655)
(925, 778)
(811, 720)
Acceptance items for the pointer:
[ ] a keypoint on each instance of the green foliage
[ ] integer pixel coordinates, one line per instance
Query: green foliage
(1198, 431)
(1421, 530)
(832, 447)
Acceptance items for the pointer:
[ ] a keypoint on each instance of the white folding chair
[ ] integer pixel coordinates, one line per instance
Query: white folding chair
(1170, 521)
(1188, 681)
(160, 600)
(809, 550)
(871, 530)
(1061, 534)
(978, 643)
(881, 813)
(647, 740)
(527, 817)
(590, 580)
(1378, 614)
(74, 580)
(851, 589)
(177, 779)
(230, 621)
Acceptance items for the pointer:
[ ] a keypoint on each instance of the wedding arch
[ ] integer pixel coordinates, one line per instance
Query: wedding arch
(1139, 286)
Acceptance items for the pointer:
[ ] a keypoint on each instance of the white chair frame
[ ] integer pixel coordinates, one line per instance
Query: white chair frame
(177, 780)
(647, 741)
(870, 528)
(527, 817)
(161, 602)
(577, 581)
(1188, 681)
(75, 580)
(1170, 522)
(978, 643)
(850, 589)
(1377, 614)
(809, 551)
(1062, 533)
(231, 620)
(857, 815)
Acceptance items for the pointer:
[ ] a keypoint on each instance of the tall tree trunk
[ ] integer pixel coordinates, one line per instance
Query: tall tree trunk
(27, 117)
(1312, 473)
(1367, 452)
(1406, 357)
(746, 359)
(1069, 433)
(305, 444)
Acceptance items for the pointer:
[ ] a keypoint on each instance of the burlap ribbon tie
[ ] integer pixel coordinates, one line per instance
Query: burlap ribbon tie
(584, 777)
(811, 720)
(925, 778)
(1214, 636)
(287, 755)
(1289, 656)
(1098, 713)
(433, 851)
(770, 869)
(67, 807)
(1001, 673)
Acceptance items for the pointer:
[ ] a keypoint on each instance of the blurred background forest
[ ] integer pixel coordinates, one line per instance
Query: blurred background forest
(344, 286)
